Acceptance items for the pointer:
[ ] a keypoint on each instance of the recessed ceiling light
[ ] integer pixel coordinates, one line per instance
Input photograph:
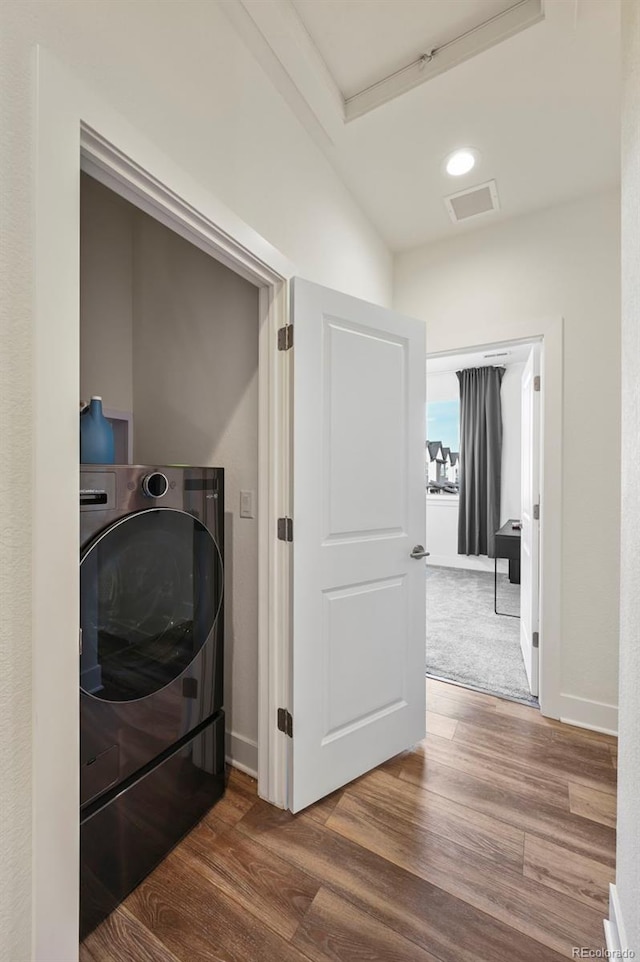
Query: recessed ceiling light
(461, 161)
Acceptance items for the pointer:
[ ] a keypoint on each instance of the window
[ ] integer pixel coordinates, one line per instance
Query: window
(442, 448)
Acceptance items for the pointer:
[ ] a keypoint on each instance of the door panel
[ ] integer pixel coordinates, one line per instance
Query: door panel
(530, 535)
(358, 622)
(359, 599)
(360, 501)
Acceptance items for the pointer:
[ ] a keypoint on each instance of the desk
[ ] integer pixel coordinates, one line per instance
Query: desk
(507, 545)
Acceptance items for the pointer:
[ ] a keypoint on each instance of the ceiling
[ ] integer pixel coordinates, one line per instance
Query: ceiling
(541, 107)
(362, 41)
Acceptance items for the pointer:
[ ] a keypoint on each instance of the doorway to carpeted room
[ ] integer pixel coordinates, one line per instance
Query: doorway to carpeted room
(482, 477)
(467, 642)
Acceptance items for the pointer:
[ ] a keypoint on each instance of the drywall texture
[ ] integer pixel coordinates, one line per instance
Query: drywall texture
(442, 538)
(183, 78)
(106, 260)
(511, 397)
(628, 861)
(561, 262)
(16, 677)
(195, 401)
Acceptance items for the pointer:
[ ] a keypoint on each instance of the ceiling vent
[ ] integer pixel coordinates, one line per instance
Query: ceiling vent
(473, 202)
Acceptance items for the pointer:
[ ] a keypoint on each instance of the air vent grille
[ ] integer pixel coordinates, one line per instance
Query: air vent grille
(473, 202)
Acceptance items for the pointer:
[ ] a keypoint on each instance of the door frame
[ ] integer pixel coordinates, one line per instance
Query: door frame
(548, 334)
(74, 131)
(110, 166)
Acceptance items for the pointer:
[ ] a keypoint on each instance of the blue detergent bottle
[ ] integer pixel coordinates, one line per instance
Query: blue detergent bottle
(96, 435)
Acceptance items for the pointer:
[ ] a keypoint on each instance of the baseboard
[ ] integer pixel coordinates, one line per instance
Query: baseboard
(597, 716)
(470, 563)
(614, 929)
(242, 753)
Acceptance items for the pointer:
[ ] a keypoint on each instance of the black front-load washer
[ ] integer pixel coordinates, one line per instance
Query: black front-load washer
(151, 669)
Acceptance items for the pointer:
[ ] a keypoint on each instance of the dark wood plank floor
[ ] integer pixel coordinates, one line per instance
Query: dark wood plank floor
(492, 841)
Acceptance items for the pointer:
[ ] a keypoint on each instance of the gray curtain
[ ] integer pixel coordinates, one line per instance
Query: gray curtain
(480, 459)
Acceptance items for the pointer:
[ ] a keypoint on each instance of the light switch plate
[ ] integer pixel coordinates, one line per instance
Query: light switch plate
(246, 504)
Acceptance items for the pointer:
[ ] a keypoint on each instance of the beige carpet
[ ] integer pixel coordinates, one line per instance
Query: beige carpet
(466, 641)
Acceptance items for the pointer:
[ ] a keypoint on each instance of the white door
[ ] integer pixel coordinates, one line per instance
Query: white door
(359, 510)
(529, 556)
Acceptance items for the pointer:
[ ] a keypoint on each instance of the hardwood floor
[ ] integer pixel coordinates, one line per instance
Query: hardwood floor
(492, 841)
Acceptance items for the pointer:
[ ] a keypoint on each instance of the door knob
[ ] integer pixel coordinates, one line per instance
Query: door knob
(419, 552)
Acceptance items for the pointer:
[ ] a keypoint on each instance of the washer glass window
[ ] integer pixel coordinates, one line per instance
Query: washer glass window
(150, 591)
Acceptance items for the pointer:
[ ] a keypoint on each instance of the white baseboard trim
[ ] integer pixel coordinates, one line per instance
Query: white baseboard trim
(242, 753)
(614, 930)
(597, 716)
(471, 563)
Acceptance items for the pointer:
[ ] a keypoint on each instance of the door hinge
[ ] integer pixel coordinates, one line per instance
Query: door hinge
(536, 383)
(285, 529)
(536, 512)
(285, 722)
(80, 640)
(285, 337)
(535, 639)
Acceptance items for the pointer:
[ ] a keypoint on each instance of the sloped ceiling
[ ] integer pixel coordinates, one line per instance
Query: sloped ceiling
(541, 107)
(362, 41)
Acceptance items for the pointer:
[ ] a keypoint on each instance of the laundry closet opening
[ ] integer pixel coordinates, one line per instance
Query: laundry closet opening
(169, 340)
(482, 477)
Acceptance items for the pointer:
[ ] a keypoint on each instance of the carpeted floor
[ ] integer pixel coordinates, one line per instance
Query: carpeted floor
(466, 641)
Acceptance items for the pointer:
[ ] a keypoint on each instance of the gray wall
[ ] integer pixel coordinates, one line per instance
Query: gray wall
(195, 401)
(628, 870)
(172, 335)
(106, 250)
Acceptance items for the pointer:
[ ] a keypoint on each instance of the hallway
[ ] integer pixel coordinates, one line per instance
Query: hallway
(493, 839)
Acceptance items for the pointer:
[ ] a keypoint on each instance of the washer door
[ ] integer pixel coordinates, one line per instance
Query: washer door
(150, 593)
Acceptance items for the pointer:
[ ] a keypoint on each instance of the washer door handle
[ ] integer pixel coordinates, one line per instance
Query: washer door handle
(419, 552)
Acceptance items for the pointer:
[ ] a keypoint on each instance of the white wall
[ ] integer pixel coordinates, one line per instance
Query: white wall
(195, 390)
(628, 858)
(442, 538)
(442, 386)
(184, 80)
(511, 399)
(560, 262)
(442, 510)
